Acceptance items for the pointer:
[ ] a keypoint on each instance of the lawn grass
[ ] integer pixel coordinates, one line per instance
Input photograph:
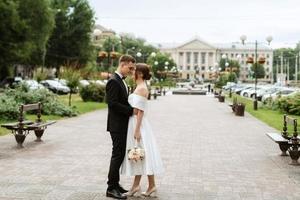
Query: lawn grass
(81, 106)
(273, 118)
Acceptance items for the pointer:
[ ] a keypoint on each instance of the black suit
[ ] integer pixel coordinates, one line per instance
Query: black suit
(119, 112)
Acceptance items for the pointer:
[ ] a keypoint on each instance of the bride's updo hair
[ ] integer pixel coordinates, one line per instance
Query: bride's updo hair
(143, 69)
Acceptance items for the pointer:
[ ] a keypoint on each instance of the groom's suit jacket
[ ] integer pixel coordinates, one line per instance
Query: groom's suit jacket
(119, 109)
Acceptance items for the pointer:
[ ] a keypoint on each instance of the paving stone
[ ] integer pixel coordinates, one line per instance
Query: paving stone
(208, 153)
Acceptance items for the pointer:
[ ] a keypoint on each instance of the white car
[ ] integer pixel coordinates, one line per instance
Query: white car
(246, 90)
(251, 93)
(266, 91)
(33, 84)
(84, 83)
(56, 86)
(282, 93)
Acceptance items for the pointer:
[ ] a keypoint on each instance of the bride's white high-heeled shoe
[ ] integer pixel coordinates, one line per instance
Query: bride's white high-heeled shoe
(150, 193)
(134, 192)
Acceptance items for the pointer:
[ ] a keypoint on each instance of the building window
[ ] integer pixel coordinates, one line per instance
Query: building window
(211, 54)
(181, 67)
(268, 55)
(232, 55)
(188, 67)
(202, 68)
(195, 58)
(267, 76)
(267, 69)
(242, 55)
(188, 76)
(195, 67)
(203, 76)
(188, 57)
(247, 76)
(268, 62)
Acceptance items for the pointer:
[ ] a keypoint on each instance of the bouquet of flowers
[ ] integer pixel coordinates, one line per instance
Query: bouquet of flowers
(137, 153)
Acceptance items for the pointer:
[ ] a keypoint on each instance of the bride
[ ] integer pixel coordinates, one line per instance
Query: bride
(140, 132)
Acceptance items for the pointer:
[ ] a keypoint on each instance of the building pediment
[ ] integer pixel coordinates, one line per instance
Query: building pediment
(196, 44)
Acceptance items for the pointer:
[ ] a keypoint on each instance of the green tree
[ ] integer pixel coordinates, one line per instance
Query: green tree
(132, 45)
(72, 77)
(233, 64)
(39, 19)
(258, 70)
(158, 64)
(25, 28)
(70, 43)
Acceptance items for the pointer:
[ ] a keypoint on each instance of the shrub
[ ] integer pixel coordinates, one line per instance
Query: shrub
(93, 92)
(13, 98)
(289, 104)
(9, 108)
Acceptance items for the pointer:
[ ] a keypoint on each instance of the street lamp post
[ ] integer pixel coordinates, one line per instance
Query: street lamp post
(243, 39)
(226, 65)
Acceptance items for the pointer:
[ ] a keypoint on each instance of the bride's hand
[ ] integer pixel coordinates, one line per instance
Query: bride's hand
(137, 135)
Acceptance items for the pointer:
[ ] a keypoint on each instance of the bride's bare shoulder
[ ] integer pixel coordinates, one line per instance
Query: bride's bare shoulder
(143, 91)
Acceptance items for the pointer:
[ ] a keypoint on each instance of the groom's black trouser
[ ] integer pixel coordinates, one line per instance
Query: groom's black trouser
(117, 157)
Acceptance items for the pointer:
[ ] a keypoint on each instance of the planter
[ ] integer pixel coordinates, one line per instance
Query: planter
(221, 99)
(239, 109)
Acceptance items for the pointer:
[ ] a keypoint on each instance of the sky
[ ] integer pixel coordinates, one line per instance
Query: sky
(214, 21)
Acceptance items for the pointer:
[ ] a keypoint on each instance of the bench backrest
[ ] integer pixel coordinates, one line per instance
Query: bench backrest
(28, 107)
(287, 120)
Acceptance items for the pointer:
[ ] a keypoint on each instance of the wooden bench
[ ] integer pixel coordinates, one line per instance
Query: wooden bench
(287, 142)
(22, 128)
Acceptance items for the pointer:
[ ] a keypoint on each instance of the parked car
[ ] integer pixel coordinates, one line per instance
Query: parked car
(33, 84)
(56, 86)
(240, 88)
(251, 92)
(11, 82)
(84, 83)
(266, 91)
(282, 92)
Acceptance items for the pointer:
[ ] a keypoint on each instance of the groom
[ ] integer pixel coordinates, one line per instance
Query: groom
(119, 112)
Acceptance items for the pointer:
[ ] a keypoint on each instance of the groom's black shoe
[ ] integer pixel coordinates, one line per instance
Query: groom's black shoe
(121, 189)
(115, 193)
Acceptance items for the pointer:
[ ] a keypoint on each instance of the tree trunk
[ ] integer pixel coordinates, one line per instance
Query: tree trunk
(70, 98)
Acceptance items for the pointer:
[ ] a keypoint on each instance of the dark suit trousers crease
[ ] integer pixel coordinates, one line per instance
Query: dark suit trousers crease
(117, 157)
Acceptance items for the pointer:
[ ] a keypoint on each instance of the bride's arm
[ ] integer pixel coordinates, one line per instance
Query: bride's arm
(140, 114)
(137, 132)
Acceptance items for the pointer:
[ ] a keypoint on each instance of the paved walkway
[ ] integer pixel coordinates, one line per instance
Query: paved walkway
(208, 153)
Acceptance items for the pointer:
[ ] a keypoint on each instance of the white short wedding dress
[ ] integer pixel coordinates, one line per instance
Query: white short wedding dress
(152, 163)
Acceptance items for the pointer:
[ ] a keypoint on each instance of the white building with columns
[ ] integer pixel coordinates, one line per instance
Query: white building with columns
(198, 59)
